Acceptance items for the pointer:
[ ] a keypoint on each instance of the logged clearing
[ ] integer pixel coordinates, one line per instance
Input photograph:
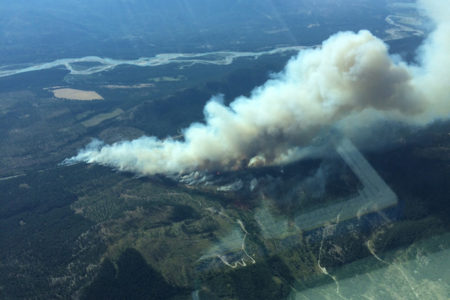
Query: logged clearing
(73, 94)
(134, 86)
(94, 121)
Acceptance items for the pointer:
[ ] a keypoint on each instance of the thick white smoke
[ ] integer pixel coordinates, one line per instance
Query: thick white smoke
(350, 75)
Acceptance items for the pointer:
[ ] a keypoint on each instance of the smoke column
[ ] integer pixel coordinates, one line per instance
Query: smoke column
(351, 75)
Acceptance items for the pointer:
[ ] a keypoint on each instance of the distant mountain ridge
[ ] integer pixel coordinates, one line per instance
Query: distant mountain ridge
(43, 29)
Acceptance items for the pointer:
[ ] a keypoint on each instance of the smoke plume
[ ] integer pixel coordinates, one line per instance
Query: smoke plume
(349, 76)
